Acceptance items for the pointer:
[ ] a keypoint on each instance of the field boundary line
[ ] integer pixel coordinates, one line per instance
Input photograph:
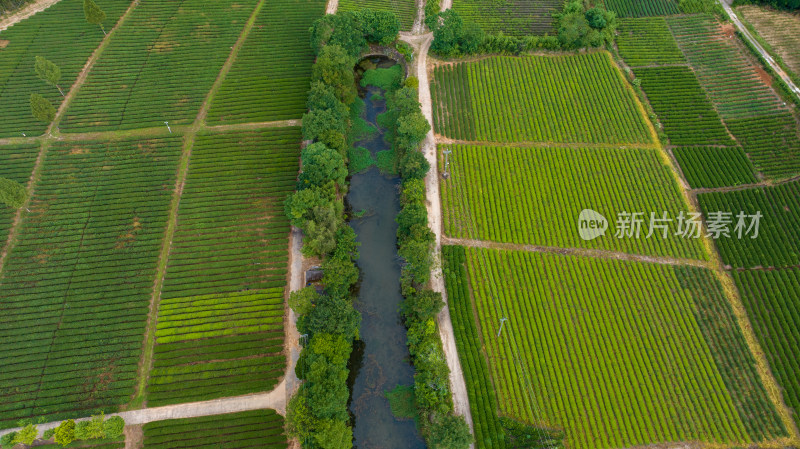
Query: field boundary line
(47, 137)
(756, 185)
(581, 252)
(443, 140)
(148, 343)
(254, 125)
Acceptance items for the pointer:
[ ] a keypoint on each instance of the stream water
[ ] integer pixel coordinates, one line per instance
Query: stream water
(384, 357)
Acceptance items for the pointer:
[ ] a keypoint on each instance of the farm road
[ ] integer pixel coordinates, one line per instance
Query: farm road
(25, 12)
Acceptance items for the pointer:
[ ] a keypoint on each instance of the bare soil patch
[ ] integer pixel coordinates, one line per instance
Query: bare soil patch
(4, 43)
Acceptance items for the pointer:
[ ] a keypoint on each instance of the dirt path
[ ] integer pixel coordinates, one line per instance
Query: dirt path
(446, 4)
(25, 12)
(744, 186)
(421, 44)
(275, 400)
(595, 253)
(333, 5)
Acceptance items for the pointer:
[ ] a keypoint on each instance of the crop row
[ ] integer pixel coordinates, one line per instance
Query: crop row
(772, 300)
(714, 166)
(77, 284)
(159, 65)
(582, 331)
(780, 29)
(535, 195)
(511, 17)
(772, 141)
(684, 109)
(16, 164)
(261, 429)
(647, 41)
(46, 34)
(570, 99)
(405, 10)
(642, 8)
(482, 399)
(778, 240)
(270, 77)
(730, 79)
(453, 115)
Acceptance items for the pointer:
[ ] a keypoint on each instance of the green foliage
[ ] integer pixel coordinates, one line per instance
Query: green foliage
(453, 37)
(113, 427)
(647, 41)
(12, 194)
(387, 79)
(319, 123)
(580, 27)
(321, 165)
(401, 401)
(6, 441)
(331, 316)
(519, 435)
(257, 428)
(93, 13)
(302, 301)
(432, 9)
(65, 432)
(380, 27)
(449, 432)
(404, 10)
(26, 435)
(359, 160)
(712, 167)
(334, 67)
(48, 72)
(42, 109)
(340, 30)
(48, 434)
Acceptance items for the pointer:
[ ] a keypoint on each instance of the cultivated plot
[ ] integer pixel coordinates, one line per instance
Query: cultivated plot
(405, 10)
(269, 79)
(261, 429)
(159, 66)
(642, 8)
(569, 99)
(16, 164)
(220, 326)
(712, 167)
(780, 29)
(536, 195)
(617, 354)
(647, 41)
(78, 282)
(511, 17)
(59, 34)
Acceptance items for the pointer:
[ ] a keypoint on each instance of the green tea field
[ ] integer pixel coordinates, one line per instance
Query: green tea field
(511, 17)
(258, 429)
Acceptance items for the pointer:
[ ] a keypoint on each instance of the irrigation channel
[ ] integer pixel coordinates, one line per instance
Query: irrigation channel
(381, 361)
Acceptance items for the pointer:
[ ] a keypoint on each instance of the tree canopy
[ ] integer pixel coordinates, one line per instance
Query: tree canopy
(94, 14)
(42, 109)
(48, 72)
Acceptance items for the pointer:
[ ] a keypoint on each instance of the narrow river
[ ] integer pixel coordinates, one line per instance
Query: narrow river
(385, 360)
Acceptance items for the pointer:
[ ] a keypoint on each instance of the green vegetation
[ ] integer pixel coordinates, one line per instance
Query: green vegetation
(684, 109)
(129, 88)
(647, 41)
(12, 193)
(772, 300)
(261, 429)
(45, 34)
(479, 101)
(76, 287)
(714, 166)
(48, 72)
(730, 80)
(42, 109)
(580, 25)
(772, 141)
(510, 194)
(94, 14)
(512, 17)
(401, 401)
(682, 324)
(642, 8)
(778, 241)
(404, 10)
(269, 79)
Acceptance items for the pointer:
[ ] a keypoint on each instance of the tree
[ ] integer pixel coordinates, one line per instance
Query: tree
(48, 72)
(26, 435)
(331, 316)
(334, 434)
(12, 193)
(381, 27)
(411, 130)
(320, 229)
(42, 109)
(65, 432)
(320, 165)
(413, 165)
(450, 432)
(447, 33)
(341, 30)
(334, 67)
(318, 122)
(302, 301)
(7, 439)
(94, 14)
(113, 427)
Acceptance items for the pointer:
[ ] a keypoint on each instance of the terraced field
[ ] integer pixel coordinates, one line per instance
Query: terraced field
(780, 29)
(509, 195)
(511, 17)
(44, 34)
(77, 285)
(405, 10)
(712, 167)
(683, 107)
(16, 164)
(512, 99)
(261, 429)
(778, 241)
(772, 299)
(159, 65)
(772, 141)
(270, 78)
(220, 326)
(642, 8)
(647, 41)
(579, 332)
